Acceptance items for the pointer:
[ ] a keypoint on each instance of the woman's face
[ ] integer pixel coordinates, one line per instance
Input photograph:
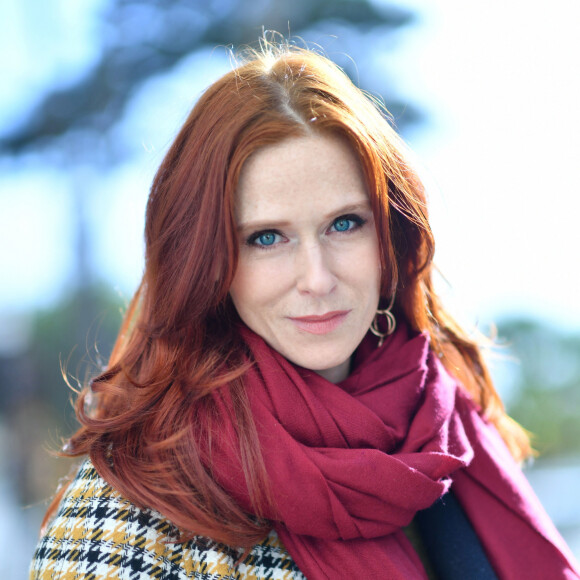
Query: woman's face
(308, 276)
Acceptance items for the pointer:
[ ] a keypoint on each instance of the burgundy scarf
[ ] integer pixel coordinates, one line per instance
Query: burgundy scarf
(350, 465)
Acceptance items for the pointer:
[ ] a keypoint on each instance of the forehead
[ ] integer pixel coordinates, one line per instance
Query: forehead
(314, 171)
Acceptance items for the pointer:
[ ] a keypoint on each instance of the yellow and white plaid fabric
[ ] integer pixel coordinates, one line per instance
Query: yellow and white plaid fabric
(97, 535)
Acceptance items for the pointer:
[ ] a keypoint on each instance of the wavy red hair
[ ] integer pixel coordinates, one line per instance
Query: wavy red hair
(149, 430)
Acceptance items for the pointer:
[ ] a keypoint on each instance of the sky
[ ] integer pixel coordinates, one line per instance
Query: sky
(499, 85)
(501, 80)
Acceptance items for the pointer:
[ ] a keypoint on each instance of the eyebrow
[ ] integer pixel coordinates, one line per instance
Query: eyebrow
(271, 224)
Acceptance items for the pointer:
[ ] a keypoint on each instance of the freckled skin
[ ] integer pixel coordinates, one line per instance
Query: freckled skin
(308, 247)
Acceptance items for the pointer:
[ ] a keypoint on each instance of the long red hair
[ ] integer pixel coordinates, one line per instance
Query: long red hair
(147, 422)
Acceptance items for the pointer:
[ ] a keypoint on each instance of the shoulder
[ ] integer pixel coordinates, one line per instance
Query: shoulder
(97, 533)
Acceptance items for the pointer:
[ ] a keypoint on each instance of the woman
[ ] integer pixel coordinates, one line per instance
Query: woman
(287, 397)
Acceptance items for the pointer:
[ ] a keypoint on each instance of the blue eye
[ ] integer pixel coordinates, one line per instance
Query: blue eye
(264, 239)
(342, 225)
(347, 223)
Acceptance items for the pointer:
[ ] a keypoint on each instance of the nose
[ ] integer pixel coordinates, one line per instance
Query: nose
(314, 274)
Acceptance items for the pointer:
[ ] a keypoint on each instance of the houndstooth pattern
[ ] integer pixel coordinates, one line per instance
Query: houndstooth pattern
(98, 535)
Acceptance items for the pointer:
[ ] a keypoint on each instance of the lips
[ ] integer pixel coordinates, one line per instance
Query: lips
(321, 324)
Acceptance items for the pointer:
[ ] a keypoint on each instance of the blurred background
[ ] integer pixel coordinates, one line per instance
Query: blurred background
(92, 92)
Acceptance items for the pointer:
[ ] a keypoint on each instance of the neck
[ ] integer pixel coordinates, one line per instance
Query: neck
(335, 374)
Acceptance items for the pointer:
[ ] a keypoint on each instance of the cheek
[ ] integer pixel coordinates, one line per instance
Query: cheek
(242, 290)
(255, 285)
(371, 277)
(369, 257)
(364, 264)
(373, 261)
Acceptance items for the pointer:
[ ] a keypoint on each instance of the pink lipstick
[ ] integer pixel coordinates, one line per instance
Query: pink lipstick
(322, 324)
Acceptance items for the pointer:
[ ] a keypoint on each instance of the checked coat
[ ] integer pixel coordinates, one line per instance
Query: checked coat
(96, 534)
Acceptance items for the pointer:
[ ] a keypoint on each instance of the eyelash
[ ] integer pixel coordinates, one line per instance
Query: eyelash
(357, 220)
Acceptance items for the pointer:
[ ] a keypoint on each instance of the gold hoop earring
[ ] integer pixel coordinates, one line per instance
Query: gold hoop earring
(391, 322)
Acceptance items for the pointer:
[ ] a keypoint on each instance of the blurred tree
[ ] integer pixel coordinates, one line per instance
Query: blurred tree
(142, 38)
(546, 384)
(81, 340)
(36, 398)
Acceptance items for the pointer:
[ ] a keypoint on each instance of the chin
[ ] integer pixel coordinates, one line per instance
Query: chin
(321, 363)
